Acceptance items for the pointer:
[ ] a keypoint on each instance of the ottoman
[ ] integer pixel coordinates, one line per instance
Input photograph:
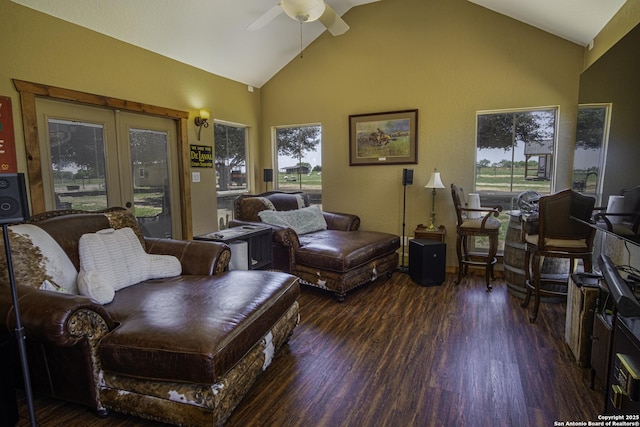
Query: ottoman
(342, 260)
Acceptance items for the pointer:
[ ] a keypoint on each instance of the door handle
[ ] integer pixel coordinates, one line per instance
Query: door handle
(128, 204)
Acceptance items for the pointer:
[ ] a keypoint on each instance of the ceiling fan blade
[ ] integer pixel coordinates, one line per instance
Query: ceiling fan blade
(267, 17)
(355, 3)
(333, 22)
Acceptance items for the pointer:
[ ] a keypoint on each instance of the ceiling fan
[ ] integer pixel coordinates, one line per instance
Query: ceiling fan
(304, 11)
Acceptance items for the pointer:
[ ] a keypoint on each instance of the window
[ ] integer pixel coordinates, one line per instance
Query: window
(299, 160)
(230, 150)
(514, 154)
(591, 138)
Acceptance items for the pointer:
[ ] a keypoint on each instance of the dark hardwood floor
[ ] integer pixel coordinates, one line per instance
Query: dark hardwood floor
(397, 354)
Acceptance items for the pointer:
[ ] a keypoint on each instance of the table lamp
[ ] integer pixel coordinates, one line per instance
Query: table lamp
(434, 182)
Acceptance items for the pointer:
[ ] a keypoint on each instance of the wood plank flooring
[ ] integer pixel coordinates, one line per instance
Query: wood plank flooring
(397, 354)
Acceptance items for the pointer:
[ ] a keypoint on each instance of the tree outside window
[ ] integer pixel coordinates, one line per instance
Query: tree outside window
(230, 156)
(299, 160)
(230, 153)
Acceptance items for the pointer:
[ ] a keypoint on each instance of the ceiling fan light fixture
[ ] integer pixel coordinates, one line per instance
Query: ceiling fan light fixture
(303, 10)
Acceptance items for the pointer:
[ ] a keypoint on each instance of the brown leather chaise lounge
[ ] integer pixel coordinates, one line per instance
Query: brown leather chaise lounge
(332, 254)
(182, 349)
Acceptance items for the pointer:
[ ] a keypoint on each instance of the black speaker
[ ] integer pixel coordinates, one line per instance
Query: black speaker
(427, 261)
(268, 175)
(407, 176)
(13, 198)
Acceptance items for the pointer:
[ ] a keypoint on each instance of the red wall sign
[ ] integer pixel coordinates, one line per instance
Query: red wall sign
(8, 162)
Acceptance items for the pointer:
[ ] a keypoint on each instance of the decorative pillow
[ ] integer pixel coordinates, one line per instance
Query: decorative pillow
(111, 260)
(302, 221)
(96, 286)
(36, 257)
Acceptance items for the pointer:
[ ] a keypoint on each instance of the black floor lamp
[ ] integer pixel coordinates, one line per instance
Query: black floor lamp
(14, 208)
(407, 179)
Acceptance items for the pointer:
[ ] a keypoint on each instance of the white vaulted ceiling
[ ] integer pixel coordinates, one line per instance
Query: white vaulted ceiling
(212, 34)
(578, 21)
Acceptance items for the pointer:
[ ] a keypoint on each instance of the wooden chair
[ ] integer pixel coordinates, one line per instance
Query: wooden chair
(558, 235)
(483, 226)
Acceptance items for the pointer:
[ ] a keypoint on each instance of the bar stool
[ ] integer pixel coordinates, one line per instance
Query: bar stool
(558, 235)
(467, 227)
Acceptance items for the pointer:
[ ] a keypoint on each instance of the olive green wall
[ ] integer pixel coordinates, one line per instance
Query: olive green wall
(447, 58)
(42, 49)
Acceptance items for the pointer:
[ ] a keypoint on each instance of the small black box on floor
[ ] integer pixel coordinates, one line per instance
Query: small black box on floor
(427, 261)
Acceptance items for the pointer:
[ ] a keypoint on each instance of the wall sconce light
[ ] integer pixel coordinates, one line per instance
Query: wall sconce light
(202, 120)
(434, 182)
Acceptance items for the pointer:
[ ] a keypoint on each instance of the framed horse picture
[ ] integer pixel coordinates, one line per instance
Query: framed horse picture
(388, 138)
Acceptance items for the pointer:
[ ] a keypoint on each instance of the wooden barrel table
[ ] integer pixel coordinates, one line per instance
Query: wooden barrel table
(514, 265)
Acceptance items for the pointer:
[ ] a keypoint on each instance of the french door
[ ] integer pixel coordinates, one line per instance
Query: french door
(94, 158)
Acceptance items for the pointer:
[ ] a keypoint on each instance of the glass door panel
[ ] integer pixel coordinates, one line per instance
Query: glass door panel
(78, 164)
(75, 169)
(151, 196)
(148, 174)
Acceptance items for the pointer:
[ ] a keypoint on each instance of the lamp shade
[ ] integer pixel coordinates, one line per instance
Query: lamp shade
(205, 114)
(303, 10)
(434, 181)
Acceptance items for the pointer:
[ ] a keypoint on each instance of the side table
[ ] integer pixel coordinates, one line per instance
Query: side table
(259, 245)
(423, 232)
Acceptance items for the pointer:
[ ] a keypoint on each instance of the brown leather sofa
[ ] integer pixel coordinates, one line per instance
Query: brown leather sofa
(338, 258)
(181, 350)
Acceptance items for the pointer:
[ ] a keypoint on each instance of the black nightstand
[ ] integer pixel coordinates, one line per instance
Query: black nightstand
(427, 261)
(258, 238)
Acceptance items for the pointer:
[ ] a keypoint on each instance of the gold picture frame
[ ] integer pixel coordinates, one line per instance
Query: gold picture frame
(388, 138)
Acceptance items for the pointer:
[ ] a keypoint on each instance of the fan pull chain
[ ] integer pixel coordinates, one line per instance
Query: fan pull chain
(301, 41)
